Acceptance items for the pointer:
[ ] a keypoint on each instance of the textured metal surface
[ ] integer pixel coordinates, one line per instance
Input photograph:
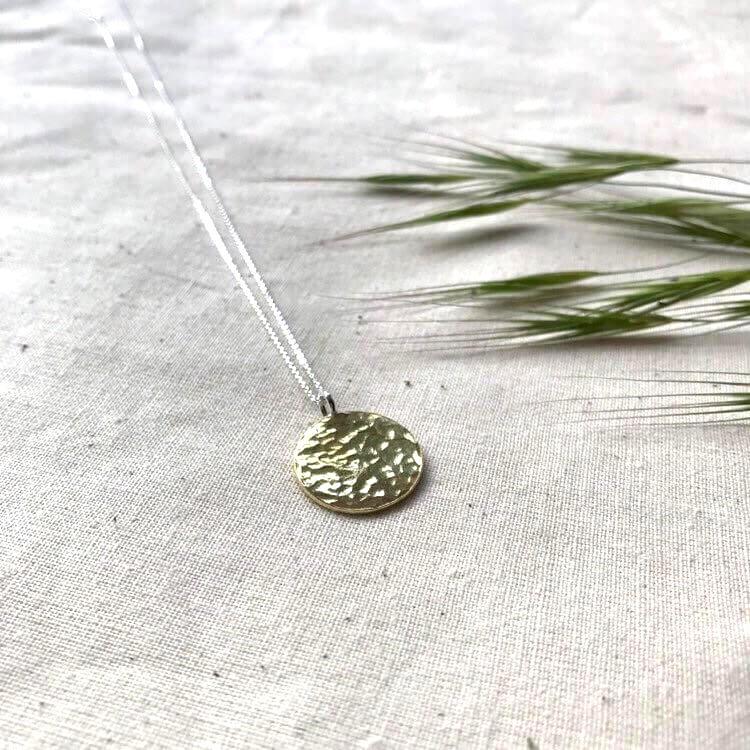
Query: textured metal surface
(357, 462)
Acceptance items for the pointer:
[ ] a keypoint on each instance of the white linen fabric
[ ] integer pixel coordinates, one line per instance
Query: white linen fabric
(164, 583)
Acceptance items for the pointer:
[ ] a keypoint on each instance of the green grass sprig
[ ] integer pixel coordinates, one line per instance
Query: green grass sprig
(711, 398)
(482, 181)
(574, 305)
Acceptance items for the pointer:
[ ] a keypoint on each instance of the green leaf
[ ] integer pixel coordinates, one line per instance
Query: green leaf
(472, 211)
(609, 157)
(414, 179)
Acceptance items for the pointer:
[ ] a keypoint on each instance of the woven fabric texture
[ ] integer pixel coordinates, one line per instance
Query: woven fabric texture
(163, 583)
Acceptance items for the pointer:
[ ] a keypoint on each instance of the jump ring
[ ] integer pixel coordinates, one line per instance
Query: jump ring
(327, 407)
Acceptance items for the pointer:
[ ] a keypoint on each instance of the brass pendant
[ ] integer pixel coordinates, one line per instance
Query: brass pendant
(357, 462)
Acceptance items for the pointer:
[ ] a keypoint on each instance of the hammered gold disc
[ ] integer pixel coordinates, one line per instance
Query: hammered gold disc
(357, 462)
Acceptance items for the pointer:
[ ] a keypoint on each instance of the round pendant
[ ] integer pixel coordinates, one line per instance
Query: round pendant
(357, 462)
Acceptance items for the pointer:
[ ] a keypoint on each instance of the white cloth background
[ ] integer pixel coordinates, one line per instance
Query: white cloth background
(163, 582)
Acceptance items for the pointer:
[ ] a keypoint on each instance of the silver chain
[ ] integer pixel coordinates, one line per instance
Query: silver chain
(291, 353)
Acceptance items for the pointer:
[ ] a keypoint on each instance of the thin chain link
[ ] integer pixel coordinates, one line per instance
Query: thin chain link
(293, 356)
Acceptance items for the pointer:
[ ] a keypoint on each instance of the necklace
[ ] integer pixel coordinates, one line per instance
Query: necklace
(350, 462)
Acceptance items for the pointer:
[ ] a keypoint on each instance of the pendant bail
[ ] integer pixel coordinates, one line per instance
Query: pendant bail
(327, 407)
